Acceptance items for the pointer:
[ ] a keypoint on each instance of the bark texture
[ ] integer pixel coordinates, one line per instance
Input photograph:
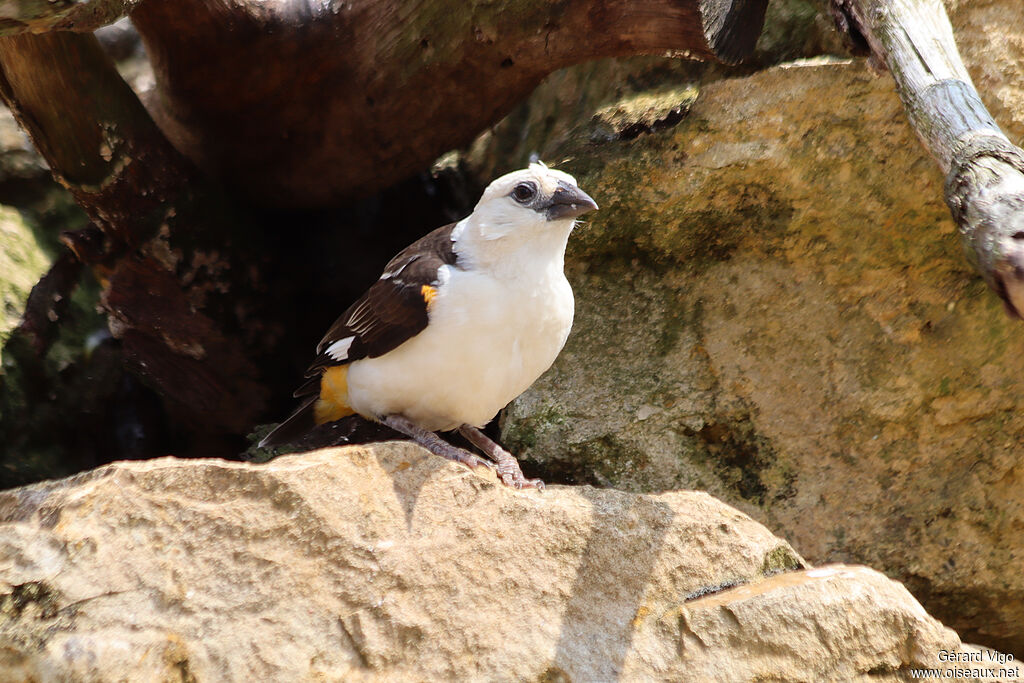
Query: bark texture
(154, 224)
(984, 170)
(335, 100)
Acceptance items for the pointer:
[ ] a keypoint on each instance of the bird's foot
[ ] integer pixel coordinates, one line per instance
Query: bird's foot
(470, 460)
(511, 475)
(505, 463)
(435, 444)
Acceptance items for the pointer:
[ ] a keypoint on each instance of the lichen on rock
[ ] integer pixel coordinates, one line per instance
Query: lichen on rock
(22, 262)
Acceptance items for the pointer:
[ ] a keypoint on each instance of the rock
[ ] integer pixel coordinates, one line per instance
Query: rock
(19, 160)
(990, 36)
(385, 562)
(759, 631)
(773, 305)
(544, 123)
(22, 262)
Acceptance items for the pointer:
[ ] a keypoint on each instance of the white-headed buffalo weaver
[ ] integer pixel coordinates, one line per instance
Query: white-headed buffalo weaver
(460, 323)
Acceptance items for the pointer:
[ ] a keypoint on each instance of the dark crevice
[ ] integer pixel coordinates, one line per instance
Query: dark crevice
(670, 119)
(848, 25)
(705, 591)
(739, 456)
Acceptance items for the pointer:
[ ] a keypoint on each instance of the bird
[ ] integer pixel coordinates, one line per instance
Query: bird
(459, 324)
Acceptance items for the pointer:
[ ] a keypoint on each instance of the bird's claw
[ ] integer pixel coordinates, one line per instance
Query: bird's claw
(512, 476)
(477, 460)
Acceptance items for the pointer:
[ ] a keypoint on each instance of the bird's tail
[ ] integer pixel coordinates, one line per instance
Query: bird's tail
(295, 427)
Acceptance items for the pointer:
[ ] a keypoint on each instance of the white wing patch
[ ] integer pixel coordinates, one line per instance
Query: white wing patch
(339, 349)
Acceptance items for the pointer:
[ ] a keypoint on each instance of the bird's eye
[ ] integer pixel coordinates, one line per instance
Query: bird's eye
(524, 192)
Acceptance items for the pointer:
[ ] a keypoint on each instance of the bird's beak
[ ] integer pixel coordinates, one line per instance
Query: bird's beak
(568, 202)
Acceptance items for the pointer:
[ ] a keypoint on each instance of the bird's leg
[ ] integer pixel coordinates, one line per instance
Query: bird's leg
(432, 442)
(508, 466)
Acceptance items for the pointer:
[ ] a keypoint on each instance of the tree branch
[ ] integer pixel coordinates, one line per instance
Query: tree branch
(96, 136)
(307, 103)
(48, 301)
(984, 170)
(168, 295)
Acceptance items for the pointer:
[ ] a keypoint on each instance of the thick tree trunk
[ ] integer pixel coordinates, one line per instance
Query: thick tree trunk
(169, 295)
(984, 170)
(96, 136)
(306, 103)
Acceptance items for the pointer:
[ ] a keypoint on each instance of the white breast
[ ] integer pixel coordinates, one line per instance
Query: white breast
(489, 338)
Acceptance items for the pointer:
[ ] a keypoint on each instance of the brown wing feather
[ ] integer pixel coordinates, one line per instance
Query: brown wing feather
(392, 311)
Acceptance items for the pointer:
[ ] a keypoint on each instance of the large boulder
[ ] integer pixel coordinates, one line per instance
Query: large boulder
(385, 563)
(773, 305)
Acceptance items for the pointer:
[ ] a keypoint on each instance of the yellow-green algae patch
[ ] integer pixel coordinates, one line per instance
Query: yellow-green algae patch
(22, 262)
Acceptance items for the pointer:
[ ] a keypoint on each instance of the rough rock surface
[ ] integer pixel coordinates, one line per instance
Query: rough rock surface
(990, 36)
(19, 161)
(773, 305)
(384, 562)
(22, 263)
(22, 260)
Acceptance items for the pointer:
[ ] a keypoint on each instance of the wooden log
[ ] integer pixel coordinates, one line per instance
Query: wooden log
(48, 301)
(984, 170)
(98, 139)
(159, 235)
(308, 103)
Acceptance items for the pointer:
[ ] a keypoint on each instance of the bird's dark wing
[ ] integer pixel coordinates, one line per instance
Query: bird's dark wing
(391, 312)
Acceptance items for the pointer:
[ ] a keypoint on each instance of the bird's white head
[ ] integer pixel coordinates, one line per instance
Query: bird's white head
(535, 199)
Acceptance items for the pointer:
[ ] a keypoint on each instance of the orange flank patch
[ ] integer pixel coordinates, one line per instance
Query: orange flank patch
(333, 402)
(429, 294)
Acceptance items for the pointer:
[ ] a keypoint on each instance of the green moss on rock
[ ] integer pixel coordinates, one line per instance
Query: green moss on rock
(22, 262)
(781, 559)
